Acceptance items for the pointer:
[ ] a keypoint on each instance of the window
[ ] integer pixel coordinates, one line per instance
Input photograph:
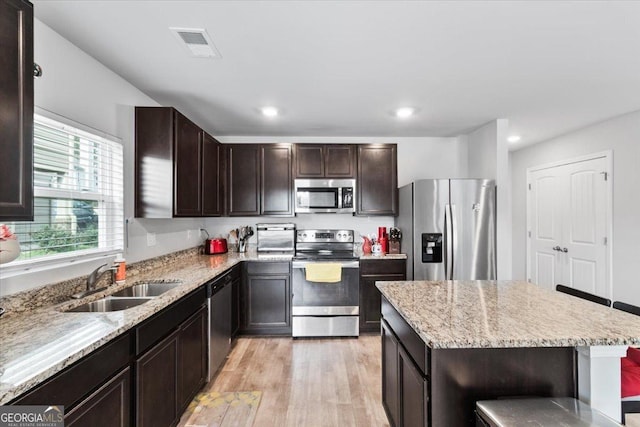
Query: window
(78, 199)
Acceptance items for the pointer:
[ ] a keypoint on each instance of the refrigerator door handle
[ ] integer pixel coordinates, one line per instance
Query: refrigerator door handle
(448, 242)
(454, 237)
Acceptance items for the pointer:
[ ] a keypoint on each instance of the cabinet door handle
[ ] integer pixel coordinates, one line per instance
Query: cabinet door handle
(557, 248)
(565, 250)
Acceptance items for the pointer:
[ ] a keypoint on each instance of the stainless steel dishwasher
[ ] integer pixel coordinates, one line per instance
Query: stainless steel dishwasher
(219, 292)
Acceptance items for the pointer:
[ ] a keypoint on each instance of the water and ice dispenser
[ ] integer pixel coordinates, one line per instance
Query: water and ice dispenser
(431, 247)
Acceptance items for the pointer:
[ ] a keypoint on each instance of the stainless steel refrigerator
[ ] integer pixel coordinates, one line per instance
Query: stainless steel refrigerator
(449, 229)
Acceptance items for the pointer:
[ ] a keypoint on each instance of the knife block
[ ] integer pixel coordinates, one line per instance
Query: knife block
(394, 246)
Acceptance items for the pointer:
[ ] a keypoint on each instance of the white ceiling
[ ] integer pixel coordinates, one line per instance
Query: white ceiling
(340, 68)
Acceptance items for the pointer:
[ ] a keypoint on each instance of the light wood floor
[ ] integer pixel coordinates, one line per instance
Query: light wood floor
(308, 383)
(633, 420)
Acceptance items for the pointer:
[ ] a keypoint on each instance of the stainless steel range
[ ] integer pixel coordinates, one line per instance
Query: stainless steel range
(325, 284)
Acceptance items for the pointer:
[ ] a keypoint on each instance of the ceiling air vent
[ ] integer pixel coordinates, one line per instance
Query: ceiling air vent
(197, 41)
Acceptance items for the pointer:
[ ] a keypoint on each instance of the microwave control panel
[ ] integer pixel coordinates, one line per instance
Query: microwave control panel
(347, 197)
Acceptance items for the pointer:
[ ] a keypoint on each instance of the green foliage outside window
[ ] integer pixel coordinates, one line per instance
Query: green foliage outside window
(55, 239)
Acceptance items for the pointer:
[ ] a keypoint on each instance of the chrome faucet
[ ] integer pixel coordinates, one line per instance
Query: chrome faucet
(92, 279)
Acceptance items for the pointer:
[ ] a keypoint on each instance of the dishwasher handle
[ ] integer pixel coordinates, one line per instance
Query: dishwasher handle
(217, 285)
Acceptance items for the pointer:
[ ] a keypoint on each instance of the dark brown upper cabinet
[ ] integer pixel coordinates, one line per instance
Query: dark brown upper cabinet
(259, 180)
(16, 103)
(377, 183)
(243, 179)
(212, 176)
(325, 161)
(177, 166)
(187, 182)
(277, 181)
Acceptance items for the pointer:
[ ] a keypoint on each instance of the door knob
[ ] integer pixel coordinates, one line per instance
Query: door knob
(565, 250)
(557, 248)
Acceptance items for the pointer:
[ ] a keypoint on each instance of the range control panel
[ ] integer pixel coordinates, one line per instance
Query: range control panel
(325, 236)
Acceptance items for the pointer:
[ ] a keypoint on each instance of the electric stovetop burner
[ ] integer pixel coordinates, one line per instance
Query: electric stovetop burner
(324, 245)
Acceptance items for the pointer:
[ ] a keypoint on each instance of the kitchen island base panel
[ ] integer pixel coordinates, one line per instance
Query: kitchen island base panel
(599, 373)
(460, 377)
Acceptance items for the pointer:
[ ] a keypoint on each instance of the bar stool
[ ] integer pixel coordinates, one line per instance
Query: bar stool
(584, 295)
(630, 370)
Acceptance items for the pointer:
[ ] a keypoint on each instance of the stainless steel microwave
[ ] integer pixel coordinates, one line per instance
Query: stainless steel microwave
(325, 195)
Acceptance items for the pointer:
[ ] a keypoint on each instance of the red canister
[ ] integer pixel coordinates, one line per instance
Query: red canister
(382, 231)
(383, 239)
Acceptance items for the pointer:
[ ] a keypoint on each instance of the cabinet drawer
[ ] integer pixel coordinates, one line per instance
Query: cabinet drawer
(156, 328)
(74, 383)
(416, 348)
(266, 267)
(390, 266)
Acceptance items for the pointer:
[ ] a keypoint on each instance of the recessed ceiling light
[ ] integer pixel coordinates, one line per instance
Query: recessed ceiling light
(405, 112)
(513, 138)
(269, 111)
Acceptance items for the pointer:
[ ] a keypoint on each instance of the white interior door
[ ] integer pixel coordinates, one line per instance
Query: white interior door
(546, 226)
(568, 225)
(584, 248)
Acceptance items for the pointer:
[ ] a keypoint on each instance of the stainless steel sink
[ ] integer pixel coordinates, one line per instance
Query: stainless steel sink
(109, 304)
(147, 289)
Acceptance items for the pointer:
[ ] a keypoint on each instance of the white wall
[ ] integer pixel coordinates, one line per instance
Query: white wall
(622, 136)
(430, 158)
(482, 151)
(76, 86)
(488, 157)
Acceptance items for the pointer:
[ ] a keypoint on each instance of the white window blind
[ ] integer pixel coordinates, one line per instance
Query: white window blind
(78, 206)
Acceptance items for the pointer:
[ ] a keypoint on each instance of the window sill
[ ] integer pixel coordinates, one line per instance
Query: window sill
(18, 268)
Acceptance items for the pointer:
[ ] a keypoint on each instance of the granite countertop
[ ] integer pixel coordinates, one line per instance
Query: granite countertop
(38, 343)
(490, 314)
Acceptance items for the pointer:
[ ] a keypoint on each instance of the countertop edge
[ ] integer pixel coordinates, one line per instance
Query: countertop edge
(435, 344)
(138, 314)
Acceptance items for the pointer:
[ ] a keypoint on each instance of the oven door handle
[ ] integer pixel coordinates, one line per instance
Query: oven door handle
(343, 264)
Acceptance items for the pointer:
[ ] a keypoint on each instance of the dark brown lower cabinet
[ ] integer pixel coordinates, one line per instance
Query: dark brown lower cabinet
(235, 301)
(145, 377)
(423, 386)
(109, 406)
(97, 381)
(170, 374)
(405, 391)
(390, 389)
(372, 271)
(414, 395)
(157, 384)
(192, 357)
(266, 298)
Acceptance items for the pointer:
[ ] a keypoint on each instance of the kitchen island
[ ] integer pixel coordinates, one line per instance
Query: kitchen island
(448, 344)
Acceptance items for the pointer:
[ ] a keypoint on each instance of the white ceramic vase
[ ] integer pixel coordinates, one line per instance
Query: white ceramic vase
(9, 250)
